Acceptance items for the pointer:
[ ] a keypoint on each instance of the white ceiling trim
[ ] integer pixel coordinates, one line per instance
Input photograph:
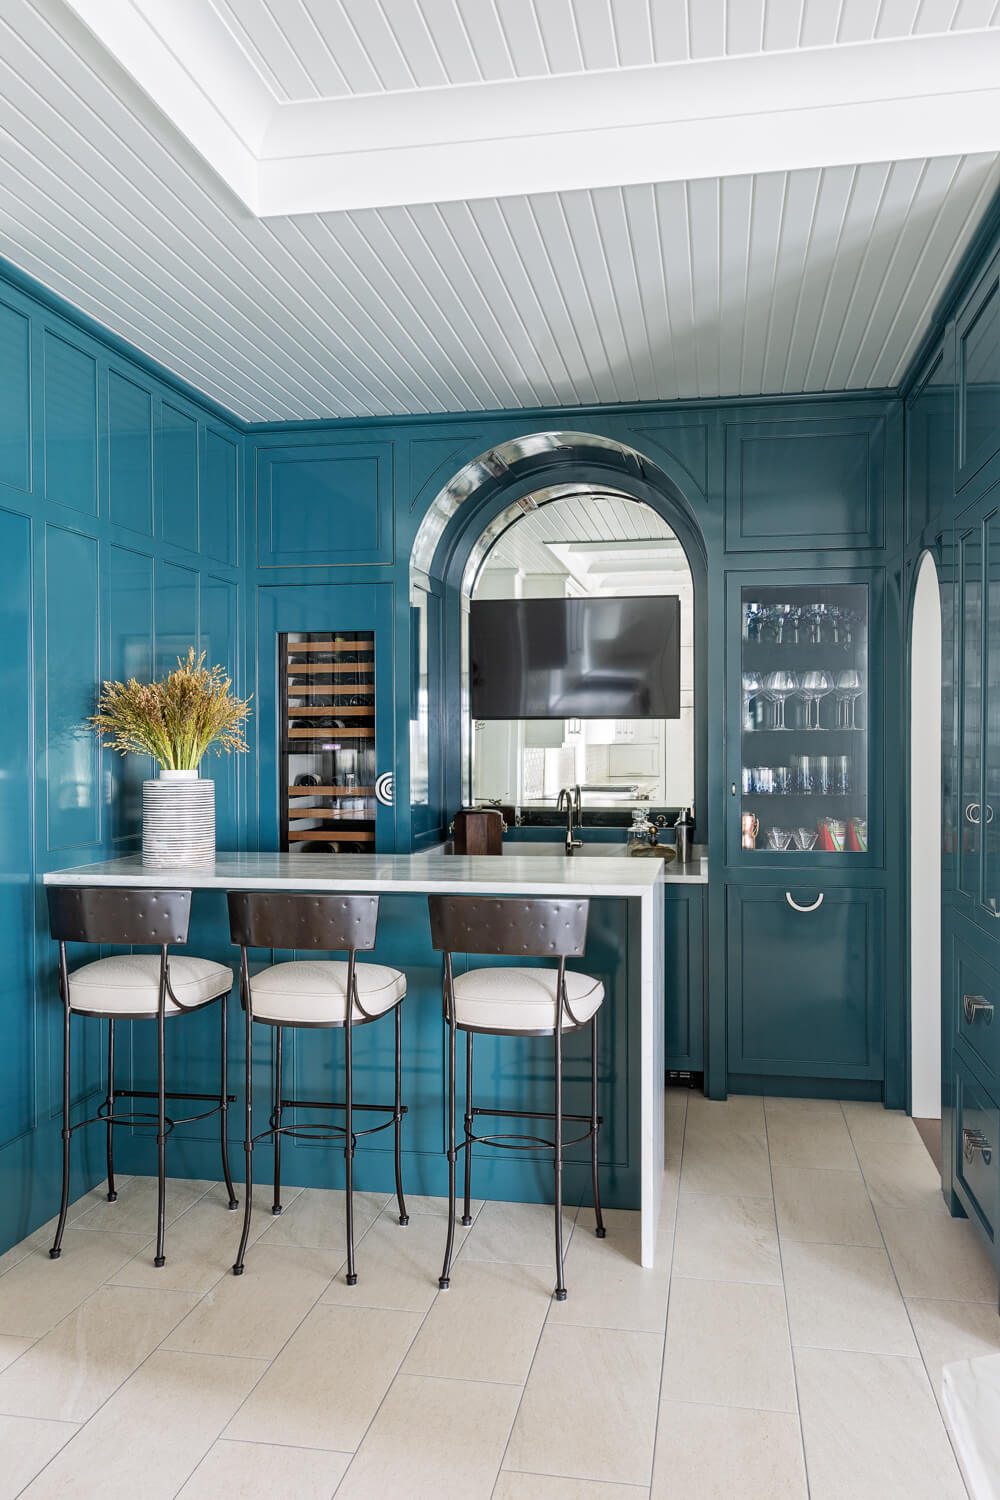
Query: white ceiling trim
(897, 99)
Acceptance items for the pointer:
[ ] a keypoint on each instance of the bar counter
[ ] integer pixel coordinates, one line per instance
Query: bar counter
(634, 883)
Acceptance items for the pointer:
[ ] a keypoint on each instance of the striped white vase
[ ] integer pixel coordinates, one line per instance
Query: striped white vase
(178, 821)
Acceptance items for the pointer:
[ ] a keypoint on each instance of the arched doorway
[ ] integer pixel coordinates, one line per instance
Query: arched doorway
(457, 531)
(924, 815)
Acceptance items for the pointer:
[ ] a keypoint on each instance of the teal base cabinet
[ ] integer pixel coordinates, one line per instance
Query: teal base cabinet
(684, 991)
(805, 985)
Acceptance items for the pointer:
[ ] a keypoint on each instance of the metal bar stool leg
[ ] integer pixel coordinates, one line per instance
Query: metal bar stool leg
(110, 1105)
(247, 1134)
(276, 1119)
(397, 1116)
(444, 1278)
(161, 1132)
(224, 1104)
(352, 1275)
(467, 1205)
(560, 1292)
(56, 1250)
(600, 1230)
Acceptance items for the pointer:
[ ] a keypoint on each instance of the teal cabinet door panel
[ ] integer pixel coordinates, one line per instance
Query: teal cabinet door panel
(813, 484)
(978, 354)
(805, 986)
(684, 990)
(930, 444)
(217, 511)
(72, 683)
(130, 454)
(177, 478)
(17, 918)
(977, 1150)
(176, 614)
(970, 686)
(130, 605)
(69, 412)
(219, 639)
(341, 608)
(15, 409)
(324, 505)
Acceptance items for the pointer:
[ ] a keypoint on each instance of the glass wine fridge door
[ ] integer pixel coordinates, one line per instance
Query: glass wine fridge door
(330, 713)
(804, 705)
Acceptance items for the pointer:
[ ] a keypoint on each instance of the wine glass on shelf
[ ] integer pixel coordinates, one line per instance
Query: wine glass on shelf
(814, 686)
(849, 687)
(779, 686)
(752, 685)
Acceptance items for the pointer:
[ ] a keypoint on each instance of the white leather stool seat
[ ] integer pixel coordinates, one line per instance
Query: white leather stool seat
(314, 992)
(129, 984)
(509, 999)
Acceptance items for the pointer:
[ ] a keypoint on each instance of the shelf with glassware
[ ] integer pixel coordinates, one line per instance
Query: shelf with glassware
(327, 743)
(804, 719)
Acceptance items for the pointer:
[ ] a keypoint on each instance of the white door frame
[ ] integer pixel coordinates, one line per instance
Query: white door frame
(924, 843)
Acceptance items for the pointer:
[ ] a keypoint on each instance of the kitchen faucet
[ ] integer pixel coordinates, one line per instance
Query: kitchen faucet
(570, 802)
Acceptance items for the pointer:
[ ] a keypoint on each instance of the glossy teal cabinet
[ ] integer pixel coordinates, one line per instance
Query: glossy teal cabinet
(978, 730)
(805, 980)
(685, 977)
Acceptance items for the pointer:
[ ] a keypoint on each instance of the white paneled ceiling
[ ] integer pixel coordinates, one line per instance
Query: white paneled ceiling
(809, 279)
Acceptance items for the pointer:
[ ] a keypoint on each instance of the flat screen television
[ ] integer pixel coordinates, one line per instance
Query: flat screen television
(575, 658)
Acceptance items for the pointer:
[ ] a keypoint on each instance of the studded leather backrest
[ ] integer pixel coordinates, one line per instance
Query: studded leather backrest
(532, 927)
(298, 919)
(118, 914)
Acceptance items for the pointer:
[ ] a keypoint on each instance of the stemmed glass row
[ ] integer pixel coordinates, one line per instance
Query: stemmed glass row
(796, 624)
(812, 686)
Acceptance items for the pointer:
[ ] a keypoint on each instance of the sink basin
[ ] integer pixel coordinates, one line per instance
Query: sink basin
(558, 851)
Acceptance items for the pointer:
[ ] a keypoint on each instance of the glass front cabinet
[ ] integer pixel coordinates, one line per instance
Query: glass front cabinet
(800, 761)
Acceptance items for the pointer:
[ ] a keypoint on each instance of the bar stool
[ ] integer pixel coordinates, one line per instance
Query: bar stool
(134, 987)
(314, 994)
(508, 1001)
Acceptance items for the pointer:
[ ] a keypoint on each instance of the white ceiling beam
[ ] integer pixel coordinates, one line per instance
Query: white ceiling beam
(892, 100)
(874, 101)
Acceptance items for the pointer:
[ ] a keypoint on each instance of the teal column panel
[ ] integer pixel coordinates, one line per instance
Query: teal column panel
(176, 616)
(130, 454)
(219, 626)
(70, 425)
(17, 922)
(130, 589)
(15, 409)
(72, 677)
(177, 507)
(217, 511)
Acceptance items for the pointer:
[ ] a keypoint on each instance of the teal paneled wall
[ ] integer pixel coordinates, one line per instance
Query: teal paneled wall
(119, 528)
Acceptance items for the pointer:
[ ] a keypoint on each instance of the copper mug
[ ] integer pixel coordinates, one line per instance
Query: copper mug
(751, 828)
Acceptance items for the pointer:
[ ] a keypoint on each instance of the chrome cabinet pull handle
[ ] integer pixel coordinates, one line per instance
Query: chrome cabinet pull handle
(796, 907)
(989, 813)
(973, 1141)
(973, 813)
(994, 912)
(974, 1006)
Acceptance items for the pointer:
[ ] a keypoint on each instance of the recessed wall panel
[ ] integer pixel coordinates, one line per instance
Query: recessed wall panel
(15, 406)
(17, 922)
(217, 510)
(70, 416)
(130, 596)
(130, 454)
(72, 683)
(178, 478)
(219, 640)
(324, 505)
(175, 615)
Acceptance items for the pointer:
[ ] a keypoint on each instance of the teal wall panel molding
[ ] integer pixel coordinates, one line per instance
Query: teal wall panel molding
(324, 504)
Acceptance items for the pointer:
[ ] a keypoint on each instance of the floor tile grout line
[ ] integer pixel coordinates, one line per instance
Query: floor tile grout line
(906, 1309)
(784, 1293)
(670, 1283)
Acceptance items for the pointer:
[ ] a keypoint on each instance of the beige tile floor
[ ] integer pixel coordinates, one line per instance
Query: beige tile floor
(789, 1343)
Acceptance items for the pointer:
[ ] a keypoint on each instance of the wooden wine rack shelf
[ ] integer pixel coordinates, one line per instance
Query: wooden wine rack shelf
(330, 836)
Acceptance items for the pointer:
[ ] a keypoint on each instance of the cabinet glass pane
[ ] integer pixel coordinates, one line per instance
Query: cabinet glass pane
(804, 733)
(328, 742)
(971, 688)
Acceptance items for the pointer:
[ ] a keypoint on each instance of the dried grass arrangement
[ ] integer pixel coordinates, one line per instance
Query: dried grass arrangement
(175, 720)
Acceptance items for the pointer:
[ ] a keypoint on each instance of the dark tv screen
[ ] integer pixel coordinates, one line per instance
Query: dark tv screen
(575, 658)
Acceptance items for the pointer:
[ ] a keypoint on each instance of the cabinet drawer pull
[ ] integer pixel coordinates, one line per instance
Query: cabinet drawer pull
(973, 1141)
(796, 907)
(972, 813)
(989, 813)
(977, 1005)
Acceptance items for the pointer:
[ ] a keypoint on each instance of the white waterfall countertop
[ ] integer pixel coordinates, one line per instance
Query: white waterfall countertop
(639, 880)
